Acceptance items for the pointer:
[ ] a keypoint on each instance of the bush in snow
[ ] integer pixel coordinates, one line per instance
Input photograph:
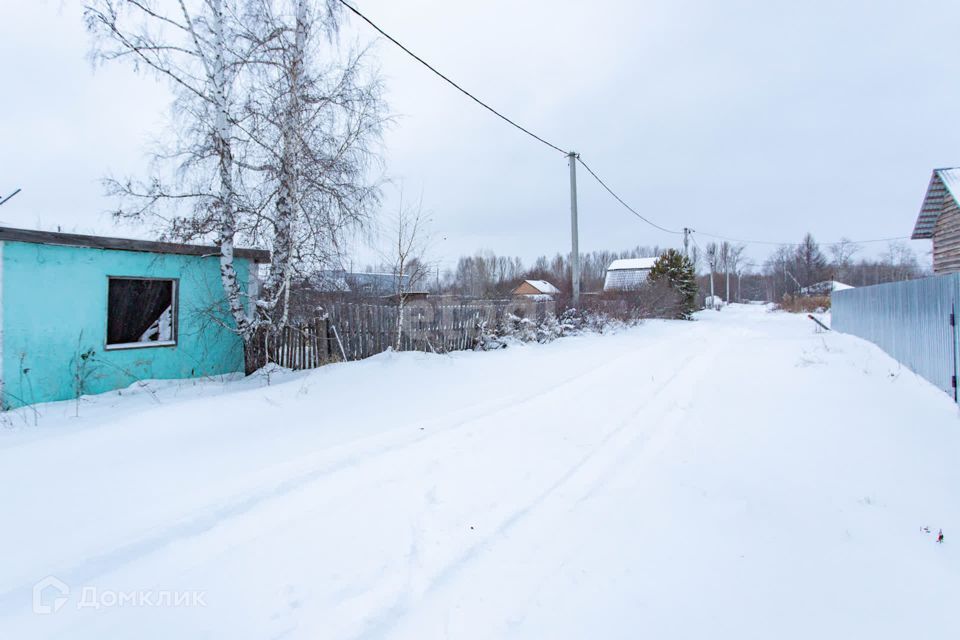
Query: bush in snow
(549, 329)
(803, 304)
(489, 339)
(515, 329)
(521, 329)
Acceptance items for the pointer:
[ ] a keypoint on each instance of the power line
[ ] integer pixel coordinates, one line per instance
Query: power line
(449, 81)
(797, 244)
(483, 104)
(620, 200)
(693, 239)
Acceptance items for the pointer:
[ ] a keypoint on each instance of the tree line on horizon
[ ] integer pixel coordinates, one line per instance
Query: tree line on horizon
(785, 271)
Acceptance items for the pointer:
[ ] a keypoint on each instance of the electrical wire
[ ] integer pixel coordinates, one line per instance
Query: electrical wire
(448, 80)
(483, 104)
(620, 200)
(797, 244)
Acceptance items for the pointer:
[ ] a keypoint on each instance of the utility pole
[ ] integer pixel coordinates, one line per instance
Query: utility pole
(686, 242)
(574, 233)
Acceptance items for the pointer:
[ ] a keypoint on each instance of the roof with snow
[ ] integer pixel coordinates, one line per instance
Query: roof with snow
(360, 283)
(123, 244)
(627, 274)
(330, 281)
(632, 263)
(825, 287)
(944, 187)
(542, 286)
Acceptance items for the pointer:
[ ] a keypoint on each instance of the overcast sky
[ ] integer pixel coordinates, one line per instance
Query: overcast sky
(753, 119)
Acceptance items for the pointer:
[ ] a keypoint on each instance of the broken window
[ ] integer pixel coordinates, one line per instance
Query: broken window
(141, 312)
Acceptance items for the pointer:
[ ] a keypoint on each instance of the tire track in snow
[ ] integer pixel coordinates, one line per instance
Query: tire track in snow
(203, 521)
(394, 615)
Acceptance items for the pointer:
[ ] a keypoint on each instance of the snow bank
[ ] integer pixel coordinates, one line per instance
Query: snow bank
(735, 477)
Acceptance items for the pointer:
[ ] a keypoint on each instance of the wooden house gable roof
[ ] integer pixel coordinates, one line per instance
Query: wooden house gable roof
(944, 187)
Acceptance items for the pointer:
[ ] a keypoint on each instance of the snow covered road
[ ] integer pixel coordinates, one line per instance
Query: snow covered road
(736, 477)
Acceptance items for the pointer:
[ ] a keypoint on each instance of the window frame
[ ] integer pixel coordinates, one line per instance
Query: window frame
(122, 346)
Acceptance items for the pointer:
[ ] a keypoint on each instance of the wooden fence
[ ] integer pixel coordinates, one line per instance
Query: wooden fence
(304, 346)
(352, 331)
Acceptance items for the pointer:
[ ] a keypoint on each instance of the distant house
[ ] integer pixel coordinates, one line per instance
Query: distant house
(536, 289)
(360, 284)
(824, 288)
(628, 273)
(939, 220)
(86, 314)
(377, 284)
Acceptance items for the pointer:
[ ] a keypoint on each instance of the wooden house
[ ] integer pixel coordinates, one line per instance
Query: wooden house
(939, 220)
(537, 289)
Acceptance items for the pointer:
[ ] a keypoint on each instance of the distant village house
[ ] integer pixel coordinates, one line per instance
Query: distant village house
(361, 284)
(628, 273)
(536, 290)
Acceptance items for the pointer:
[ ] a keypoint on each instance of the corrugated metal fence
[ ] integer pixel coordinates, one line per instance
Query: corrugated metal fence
(913, 321)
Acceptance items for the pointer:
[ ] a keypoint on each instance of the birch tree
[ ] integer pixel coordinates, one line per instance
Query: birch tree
(193, 45)
(841, 254)
(273, 135)
(314, 117)
(409, 239)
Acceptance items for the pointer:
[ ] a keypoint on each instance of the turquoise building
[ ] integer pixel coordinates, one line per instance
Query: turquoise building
(87, 314)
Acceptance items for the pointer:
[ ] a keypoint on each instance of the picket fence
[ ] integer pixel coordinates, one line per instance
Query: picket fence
(302, 346)
(353, 331)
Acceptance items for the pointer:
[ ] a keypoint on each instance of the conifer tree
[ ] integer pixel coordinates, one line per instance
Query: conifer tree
(676, 271)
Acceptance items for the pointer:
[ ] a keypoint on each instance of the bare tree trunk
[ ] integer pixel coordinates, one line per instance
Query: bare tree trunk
(403, 253)
(287, 193)
(407, 260)
(227, 194)
(400, 319)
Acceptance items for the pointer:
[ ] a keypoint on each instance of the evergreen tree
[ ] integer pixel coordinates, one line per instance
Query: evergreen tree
(676, 271)
(812, 266)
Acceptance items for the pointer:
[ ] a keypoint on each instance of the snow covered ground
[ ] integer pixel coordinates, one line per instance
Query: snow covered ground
(736, 477)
